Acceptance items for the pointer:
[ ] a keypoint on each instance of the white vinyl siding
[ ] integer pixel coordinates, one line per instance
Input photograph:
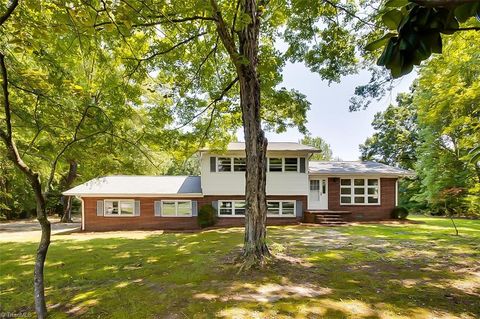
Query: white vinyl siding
(119, 207)
(359, 191)
(171, 208)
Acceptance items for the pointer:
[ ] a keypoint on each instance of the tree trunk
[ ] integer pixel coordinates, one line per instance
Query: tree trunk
(244, 56)
(67, 210)
(33, 178)
(67, 200)
(255, 247)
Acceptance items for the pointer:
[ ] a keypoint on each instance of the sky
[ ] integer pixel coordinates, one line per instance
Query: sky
(329, 116)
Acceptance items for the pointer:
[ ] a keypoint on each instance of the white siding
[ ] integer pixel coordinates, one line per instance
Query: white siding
(233, 183)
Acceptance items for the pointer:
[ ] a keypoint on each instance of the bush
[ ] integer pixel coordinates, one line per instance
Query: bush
(399, 212)
(207, 216)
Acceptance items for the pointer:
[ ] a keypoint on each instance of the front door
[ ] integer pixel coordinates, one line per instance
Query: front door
(318, 197)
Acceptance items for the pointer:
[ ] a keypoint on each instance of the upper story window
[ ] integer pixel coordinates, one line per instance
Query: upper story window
(286, 164)
(359, 191)
(124, 207)
(291, 164)
(224, 164)
(275, 164)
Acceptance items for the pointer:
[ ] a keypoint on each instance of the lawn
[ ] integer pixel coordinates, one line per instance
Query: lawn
(413, 270)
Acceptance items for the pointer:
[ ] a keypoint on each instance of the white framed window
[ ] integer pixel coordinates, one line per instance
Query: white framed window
(359, 191)
(277, 208)
(231, 208)
(283, 164)
(224, 164)
(291, 164)
(239, 164)
(275, 164)
(119, 207)
(176, 208)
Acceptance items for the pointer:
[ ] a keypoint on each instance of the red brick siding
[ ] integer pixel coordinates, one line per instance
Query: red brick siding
(364, 212)
(148, 220)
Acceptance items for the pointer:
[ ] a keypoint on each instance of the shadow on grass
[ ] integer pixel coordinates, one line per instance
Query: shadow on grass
(366, 271)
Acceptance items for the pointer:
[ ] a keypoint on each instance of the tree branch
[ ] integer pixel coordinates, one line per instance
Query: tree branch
(214, 101)
(9, 11)
(348, 12)
(173, 47)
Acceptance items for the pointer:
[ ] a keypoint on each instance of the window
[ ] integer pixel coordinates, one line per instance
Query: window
(231, 208)
(275, 164)
(239, 164)
(359, 191)
(280, 208)
(291, 164)
(224, 164)
(125, 207)
(177, 208)
(314, 184)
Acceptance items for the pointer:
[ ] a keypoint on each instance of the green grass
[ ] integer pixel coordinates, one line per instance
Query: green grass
(409, 270)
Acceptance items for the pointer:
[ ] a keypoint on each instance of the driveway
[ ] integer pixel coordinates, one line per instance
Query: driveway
(29, 230)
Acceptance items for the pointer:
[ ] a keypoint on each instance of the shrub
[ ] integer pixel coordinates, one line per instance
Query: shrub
(399, 212)
(207, 216)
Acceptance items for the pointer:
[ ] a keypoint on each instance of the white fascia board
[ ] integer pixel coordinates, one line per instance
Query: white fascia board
(132, 195)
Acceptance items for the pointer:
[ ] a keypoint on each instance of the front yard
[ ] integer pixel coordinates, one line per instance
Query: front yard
(409, 270)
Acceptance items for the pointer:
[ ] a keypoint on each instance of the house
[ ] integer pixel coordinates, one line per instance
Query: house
(298, 189)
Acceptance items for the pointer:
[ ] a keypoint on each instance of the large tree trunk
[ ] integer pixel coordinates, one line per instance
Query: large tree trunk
(245, 58)
(255, 246)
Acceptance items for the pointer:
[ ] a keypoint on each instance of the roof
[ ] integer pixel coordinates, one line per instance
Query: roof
(273, 146)
(138, 185)
(351, 168)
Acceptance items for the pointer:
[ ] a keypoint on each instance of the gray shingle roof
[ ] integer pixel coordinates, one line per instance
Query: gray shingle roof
(351, 168)
(273, 146)
(138, 185)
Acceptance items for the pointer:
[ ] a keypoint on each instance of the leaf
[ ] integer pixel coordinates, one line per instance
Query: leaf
(466, 11)
(396, 3)
(392, 19)
(379, 42)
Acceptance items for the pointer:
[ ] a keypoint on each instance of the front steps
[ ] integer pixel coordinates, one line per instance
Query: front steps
(327, 217)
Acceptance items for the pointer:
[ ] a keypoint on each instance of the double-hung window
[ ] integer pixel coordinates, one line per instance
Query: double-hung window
(359, 191)
(280, 164)
(121, 207)
(280, 208)
(177, 208)
(224, 164)
(239, 164)
(231, 164)
(230, 208)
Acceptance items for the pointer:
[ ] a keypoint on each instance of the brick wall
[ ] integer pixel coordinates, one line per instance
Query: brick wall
(148, 220)
(365, 212)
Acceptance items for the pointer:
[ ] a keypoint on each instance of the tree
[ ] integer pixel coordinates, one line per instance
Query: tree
(396, 137)
(415, 30)
(319, 143)
(218, 63)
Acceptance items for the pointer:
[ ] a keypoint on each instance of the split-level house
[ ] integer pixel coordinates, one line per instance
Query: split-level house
(298, 190)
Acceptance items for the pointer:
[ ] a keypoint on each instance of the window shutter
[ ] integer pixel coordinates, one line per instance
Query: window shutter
(194, 208)
(302, 164)
(299, 209)
(215, 204)
(99, 207)
(213, 164)
(137, 208)
(158, 208)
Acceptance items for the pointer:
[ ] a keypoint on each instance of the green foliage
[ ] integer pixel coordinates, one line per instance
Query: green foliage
(319, 143)
(415, 32)
(207, 216)
(434, 130)
(399, 212)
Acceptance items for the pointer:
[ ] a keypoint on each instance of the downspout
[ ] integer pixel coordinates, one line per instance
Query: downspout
(83, 212)
(396, 192)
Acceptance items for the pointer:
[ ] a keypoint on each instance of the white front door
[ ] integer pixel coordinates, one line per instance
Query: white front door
(318, 197)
